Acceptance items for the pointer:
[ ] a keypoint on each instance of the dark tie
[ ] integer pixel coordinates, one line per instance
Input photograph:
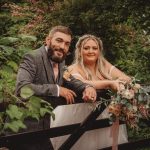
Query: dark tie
(55, 69)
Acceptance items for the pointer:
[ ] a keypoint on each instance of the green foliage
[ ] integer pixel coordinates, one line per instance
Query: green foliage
(15, 125)
(26, 92)
(13, 112)
(133, 52)
(16, 110)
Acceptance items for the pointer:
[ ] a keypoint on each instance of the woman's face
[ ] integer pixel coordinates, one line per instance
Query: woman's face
(90, 51)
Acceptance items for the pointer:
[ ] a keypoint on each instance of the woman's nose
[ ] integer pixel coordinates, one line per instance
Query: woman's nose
(90, 50)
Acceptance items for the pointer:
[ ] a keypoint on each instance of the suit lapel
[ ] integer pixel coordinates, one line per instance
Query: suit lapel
(47, 66)
(49, 69)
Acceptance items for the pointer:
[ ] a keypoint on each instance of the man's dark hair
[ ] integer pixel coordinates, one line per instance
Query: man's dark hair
(60, 28)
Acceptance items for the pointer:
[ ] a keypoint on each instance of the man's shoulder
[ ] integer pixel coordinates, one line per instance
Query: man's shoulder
(36, 52)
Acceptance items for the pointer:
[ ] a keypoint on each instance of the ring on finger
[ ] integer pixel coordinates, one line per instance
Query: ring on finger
(92, 98)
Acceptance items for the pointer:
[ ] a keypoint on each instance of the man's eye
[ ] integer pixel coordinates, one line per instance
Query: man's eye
(58, 40)
(68, 44)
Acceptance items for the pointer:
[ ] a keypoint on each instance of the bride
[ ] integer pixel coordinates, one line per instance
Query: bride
(90, 67)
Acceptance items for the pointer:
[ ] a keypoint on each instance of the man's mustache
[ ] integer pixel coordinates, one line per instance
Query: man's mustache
(59, 50)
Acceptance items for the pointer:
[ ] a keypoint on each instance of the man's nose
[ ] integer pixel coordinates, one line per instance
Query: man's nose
(62, 45)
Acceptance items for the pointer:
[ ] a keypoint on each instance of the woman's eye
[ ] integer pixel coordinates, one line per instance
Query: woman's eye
(95, 48)
(86, 48)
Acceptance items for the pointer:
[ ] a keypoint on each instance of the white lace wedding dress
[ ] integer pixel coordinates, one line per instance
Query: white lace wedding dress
(90, 140)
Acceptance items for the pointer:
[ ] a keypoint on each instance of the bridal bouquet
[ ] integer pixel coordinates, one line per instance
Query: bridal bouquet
(130, 104)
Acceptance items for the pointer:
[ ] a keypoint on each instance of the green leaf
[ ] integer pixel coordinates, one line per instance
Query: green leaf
(8, 40)
(47, 104)
(15, 125)
(26, 92)
(28, 37)
(8, 50)
(36, 116)
(43, 111)
(34, 107)
(14, 112)
(53, 115)
(35, 102)
(13, 65)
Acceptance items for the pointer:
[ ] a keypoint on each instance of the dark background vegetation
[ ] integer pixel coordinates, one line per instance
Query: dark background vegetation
(123, 26)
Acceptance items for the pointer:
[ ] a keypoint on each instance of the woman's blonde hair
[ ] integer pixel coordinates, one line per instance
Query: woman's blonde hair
(99, 63)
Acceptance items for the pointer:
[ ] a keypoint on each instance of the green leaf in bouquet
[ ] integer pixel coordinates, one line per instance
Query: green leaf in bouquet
(15, 125)
(140, 98)
(124, 101)
(26, 92)
(13, 112)
(118, 98)
(129, 106)
(141, 90)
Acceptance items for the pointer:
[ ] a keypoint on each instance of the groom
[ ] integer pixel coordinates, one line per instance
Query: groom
(42, 70)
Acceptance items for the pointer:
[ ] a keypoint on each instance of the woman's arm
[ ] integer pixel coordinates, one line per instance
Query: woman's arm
(98, 84)
(105, 84)
(115, 73)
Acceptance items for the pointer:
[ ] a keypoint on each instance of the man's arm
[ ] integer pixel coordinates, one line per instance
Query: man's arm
(26, 76)
(84, 90)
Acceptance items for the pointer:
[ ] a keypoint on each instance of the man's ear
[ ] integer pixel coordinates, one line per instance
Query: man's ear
(47, 40)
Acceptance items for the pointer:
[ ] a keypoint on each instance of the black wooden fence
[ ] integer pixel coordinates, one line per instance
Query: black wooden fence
(76, 131)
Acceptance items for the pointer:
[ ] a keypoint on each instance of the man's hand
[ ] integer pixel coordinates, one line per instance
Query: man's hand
(89, 94)
(67, 94)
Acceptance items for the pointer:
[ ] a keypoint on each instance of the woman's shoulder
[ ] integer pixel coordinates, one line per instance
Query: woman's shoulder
(73, 68)
(76, 71)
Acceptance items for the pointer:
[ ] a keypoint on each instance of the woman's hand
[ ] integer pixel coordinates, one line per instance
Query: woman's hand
(89, 94)
(116, 85)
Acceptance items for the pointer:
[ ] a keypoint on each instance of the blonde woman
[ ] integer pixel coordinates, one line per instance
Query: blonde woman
(91, 67)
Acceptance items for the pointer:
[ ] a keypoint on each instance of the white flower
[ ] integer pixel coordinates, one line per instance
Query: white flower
(136, 87)
(128, 94)
(135, 108)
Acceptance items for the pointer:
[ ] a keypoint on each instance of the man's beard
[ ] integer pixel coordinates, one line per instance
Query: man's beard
(55, 58)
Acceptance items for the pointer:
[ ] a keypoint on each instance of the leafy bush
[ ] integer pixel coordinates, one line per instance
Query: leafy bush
(14, 109)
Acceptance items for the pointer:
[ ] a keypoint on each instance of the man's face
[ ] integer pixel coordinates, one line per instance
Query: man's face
(58, 46)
